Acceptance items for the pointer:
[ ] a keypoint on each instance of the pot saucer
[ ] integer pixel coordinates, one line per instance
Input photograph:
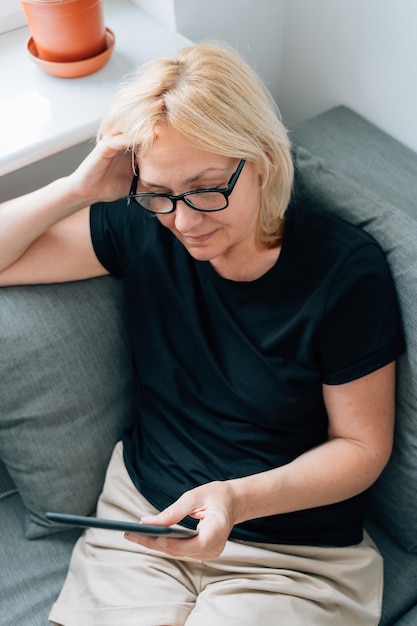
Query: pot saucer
(73, 69)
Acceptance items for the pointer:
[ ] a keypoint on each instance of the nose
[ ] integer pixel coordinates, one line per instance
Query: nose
(186, 218)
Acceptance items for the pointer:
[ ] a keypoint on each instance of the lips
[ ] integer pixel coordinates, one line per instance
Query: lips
(197, 239)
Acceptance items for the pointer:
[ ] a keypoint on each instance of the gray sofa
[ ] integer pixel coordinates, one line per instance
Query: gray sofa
(66, 380)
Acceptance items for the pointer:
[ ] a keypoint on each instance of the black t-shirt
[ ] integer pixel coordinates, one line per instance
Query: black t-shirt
(230, 374)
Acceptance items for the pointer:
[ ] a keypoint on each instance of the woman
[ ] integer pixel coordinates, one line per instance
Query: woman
(265, 341)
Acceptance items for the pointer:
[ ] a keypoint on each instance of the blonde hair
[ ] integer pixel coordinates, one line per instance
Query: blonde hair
(209, 94)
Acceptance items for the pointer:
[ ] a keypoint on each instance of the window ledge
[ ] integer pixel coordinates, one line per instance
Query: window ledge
(41, 115)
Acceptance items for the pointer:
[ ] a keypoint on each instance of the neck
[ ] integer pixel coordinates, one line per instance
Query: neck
(248, 268)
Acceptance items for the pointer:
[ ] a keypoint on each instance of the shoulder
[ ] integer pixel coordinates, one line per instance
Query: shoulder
(318, 239)
(124, 221)
(324, 254)
(124, 236)
(325, 228)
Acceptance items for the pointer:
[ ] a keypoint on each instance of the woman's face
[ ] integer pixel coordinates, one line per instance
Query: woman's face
(225, 237)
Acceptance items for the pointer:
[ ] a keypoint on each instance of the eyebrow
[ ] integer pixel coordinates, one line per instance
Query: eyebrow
(187, 181)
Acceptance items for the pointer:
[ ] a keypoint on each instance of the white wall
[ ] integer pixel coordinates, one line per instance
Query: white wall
(362, 53)
(162, 10)
(315, 54)
(253, 27)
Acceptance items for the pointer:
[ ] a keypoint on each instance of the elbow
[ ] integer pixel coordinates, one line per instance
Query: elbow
(380, 458)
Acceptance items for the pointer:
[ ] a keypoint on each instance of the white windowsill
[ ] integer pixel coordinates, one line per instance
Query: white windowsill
(41, 114)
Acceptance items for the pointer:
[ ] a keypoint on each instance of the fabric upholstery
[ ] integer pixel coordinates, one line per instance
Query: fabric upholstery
(362, 153)
(409, 619)
(7, 486)
(64, 395)
(400, 567)
(319, 178)
(31, 572)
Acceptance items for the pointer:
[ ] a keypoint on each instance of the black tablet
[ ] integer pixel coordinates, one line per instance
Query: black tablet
(176, 532)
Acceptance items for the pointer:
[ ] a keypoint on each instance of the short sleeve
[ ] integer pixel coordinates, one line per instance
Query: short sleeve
(360, 330)
(116, 233)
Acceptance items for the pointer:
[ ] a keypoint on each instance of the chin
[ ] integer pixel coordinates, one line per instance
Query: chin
(201, 254)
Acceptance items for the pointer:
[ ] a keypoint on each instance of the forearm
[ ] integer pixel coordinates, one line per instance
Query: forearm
(24, 219)
(104, 175)
(334, 471)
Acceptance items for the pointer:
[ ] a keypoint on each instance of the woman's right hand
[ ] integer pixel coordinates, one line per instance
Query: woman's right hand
(106, 173)
(45, 235)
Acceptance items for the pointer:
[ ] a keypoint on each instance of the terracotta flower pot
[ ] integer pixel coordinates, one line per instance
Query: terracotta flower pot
(66, 30)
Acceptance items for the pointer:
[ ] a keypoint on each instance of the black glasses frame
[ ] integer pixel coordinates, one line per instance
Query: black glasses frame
(225, 192)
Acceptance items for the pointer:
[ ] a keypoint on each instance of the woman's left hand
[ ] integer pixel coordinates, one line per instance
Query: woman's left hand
(212, 504)
(361, 424)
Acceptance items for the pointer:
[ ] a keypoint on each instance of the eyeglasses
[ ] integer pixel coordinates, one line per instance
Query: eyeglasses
(200, 199)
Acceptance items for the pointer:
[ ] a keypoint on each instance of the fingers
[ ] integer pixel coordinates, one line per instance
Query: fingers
(106, 173)
(205, 546)
(212, 505)
(113, 143)
(169, 516)
(213, 530)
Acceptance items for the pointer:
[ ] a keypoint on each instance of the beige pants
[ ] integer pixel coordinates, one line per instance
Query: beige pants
(113, 582)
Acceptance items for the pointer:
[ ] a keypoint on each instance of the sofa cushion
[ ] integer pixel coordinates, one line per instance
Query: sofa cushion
(360, 200)
(32, 572)
(400, 591)
(361, 152)
(7, 486)
(65, 392)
